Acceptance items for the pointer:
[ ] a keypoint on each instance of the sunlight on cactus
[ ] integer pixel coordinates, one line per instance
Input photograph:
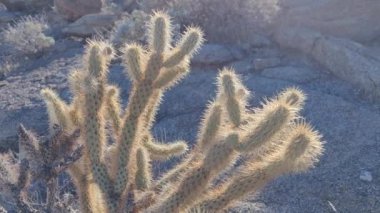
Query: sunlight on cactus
(114, 173)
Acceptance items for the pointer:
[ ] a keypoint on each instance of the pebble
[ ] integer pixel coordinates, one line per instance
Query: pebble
(366, 176)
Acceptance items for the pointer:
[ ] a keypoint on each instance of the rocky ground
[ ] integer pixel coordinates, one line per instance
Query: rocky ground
(347, 179)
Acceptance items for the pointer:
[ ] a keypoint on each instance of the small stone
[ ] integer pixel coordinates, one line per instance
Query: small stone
(366, 176)
(90, 24)
(292, 74)
(216, 54)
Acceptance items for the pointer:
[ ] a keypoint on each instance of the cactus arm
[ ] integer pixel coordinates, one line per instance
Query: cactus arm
(170, 77)
(273, 118)
(159, 32)
(93, 109)
(143, 174)
(57, 109)
(232, 105)
(159, 151)
(191, 41)
(113, 108)
(133, 54)
(233, 95)
(293, 96)
(128, 135)
(208, 131)
(210, 126)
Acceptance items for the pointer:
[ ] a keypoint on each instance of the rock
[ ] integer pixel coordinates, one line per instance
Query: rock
(293, 74)
(346, 59)
(216, 54)
(72, 10)
(6, 17)
(243, 66)
(365, 176)
(2, 7)
(27, 6)
(259, 41)
(301, 39)
(90, 24)
(272, 52)
(353, 19)
(264, 63)
(349, 61)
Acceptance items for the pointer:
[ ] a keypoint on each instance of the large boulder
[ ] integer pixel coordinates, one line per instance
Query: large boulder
(74, 9)
(354, 19)
(344, 58)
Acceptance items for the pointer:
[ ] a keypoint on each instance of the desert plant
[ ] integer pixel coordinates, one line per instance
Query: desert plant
(130, 28)
(27, 35)
(37, 161)
(115, 175)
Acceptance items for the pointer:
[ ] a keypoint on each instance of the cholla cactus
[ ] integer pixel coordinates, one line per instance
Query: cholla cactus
(116, 176)
(27, 35)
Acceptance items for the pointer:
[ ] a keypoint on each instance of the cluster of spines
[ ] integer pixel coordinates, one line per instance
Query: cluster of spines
(271, 138)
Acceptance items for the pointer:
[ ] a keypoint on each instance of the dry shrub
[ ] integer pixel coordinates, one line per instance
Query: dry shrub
(131, 28)
(27, 35)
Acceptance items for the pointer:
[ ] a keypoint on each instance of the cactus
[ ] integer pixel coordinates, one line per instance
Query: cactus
(38, 161)
(117, 177)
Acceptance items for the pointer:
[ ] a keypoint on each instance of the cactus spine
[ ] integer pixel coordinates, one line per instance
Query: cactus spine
(272, 138)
